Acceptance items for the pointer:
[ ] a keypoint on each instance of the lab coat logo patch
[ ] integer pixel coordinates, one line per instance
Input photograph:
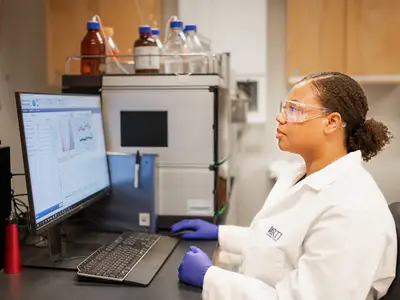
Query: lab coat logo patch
(274, 233)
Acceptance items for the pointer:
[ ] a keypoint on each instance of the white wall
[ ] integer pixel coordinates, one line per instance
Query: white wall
(238, 27)
(384, 106)
(22, 67)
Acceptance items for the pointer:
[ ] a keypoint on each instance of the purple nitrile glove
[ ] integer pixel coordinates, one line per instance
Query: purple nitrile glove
(194, 266)
(202, 230)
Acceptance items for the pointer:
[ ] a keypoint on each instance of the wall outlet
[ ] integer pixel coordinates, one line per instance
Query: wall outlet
(144, 219)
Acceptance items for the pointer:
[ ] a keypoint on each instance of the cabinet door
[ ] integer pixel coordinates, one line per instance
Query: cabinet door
(373, 46)
(315, 36)
(66, 26)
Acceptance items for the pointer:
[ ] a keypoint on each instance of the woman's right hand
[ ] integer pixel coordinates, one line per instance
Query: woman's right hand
(202, 230)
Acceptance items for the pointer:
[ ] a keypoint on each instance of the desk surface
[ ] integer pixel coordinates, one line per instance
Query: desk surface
(41, 284)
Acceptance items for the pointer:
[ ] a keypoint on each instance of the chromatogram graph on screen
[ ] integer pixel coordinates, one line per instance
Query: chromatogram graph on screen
(83, 132)
(66, 133)
(76, 133)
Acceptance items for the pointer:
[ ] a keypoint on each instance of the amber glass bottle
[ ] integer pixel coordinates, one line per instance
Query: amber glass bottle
(146, 45)
(93, 44)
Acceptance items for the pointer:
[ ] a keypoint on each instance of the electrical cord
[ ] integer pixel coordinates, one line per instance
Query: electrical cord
(220, 162)
(17, 174)
(20, 204)
(221, 211)
(17, 208)
(17, 203)
(22, 216)
(19, 195)
(20, 209)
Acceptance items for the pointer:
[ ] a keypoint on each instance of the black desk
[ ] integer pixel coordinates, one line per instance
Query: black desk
(41, 284)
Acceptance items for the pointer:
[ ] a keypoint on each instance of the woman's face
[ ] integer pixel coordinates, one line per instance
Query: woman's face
(302, 136)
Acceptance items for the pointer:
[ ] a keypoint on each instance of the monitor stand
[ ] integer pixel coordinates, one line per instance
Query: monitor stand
(62, 252)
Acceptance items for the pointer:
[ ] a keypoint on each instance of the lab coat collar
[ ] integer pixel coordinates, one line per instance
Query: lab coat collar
(321, 179)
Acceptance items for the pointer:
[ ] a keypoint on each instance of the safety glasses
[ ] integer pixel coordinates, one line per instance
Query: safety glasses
(298, 112)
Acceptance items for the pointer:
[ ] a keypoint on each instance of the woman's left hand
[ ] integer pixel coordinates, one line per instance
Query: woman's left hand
(194, 266)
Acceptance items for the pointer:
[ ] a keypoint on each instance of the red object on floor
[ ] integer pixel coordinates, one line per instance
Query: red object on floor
(12, 259)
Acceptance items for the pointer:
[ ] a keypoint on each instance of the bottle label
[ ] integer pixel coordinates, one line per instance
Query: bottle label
(147, 62)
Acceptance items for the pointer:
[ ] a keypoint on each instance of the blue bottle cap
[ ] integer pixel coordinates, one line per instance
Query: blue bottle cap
(93, 25)
(155, 31)
(176, 24)
(190, 28)
(144, 29)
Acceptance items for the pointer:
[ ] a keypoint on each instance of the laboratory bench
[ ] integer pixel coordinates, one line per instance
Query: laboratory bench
(47, 284)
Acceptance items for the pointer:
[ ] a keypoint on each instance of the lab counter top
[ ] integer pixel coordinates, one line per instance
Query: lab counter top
(43, 284)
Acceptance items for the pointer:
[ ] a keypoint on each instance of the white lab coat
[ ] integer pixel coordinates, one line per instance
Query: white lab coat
(329, 237)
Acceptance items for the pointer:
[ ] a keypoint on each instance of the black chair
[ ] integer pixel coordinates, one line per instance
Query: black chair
(394, 290)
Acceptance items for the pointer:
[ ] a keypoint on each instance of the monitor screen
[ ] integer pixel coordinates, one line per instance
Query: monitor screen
(65, 155)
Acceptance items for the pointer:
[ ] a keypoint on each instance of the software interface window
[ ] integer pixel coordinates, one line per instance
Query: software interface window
(66, 151)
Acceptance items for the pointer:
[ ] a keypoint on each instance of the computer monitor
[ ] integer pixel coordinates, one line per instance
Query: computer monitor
(64, 154)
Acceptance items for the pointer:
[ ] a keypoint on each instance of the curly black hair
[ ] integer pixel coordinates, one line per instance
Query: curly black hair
(341, 93)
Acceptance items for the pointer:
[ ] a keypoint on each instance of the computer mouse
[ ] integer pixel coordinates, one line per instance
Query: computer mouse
(181, 232)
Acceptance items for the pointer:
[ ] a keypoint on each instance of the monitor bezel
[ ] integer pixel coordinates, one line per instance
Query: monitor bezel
(33, 226)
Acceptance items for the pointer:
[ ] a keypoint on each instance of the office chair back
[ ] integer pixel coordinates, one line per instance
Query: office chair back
(394, 290)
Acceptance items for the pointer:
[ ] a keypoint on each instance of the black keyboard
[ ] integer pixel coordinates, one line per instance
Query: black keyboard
(134, 257)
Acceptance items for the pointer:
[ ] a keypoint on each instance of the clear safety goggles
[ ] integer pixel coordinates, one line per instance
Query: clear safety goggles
(298, 112)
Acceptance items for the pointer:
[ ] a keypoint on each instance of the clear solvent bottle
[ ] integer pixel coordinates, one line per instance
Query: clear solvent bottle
(176, 44)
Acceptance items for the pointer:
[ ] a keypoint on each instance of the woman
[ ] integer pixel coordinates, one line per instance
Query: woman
(325, 231)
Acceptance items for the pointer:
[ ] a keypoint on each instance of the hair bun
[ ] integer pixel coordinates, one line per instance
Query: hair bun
(362, 127)
(370, 137)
